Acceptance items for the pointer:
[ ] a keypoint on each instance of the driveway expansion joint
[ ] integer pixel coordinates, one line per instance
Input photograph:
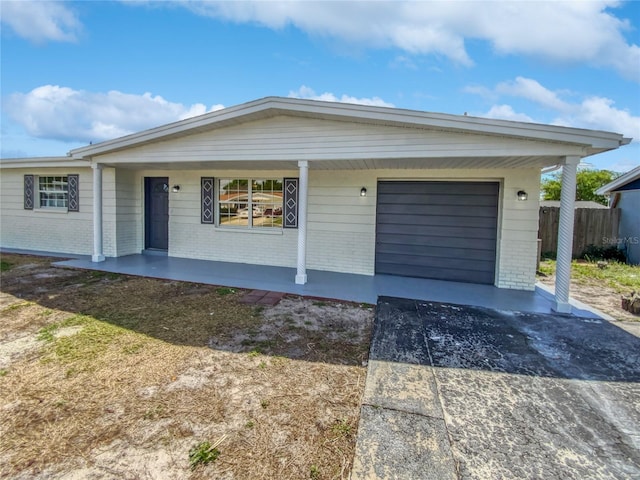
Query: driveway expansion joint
(499, 394)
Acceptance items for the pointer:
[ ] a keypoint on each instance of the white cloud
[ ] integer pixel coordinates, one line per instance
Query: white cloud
(506, 112)
(591, 112)
(624, 166)
(61, 113)
(482, 91)
(564, 32)
(600, 113)
(403, 61)
(309, 94)
(41, 21)
(532, 90)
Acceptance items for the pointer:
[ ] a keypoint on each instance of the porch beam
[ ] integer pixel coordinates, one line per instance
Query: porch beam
(565, 235)
(98, 255)
(303, 188)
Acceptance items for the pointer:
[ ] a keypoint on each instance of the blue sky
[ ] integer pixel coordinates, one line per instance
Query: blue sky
(80, 72)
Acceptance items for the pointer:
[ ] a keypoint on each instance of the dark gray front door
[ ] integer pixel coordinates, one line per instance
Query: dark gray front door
(156, 212)
(440, 230)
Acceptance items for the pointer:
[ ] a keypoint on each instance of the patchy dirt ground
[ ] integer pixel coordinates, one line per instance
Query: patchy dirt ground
(598, 296)
(601, 289)
(106, 376)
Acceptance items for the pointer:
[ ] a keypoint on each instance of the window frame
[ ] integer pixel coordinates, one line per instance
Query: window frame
(38, 191)
(250, 204)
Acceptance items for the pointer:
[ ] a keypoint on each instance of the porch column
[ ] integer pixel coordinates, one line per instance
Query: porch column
(565, 234)
(301, 274)
(98, 255)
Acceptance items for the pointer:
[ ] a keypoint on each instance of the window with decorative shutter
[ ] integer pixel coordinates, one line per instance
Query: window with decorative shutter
(207, 200)
(29, 192)
(290, 217)
(74, 197)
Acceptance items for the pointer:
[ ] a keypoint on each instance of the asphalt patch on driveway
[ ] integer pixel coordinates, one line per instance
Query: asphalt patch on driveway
(513, 395)
(477, 338)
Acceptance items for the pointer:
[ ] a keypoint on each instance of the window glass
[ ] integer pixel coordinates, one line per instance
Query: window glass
(53, 192)
(252, 203)
(267, 203)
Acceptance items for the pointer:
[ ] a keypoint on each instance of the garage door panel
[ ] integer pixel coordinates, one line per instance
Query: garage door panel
(402, 188)
(444, 199)
(441, 251)
(452, 275)
(438, 210)
(436, 262)
(440, 230)
(409, 240)
(437, 220)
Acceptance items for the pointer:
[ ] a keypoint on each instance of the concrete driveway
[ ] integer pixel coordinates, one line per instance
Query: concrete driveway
(458, 392)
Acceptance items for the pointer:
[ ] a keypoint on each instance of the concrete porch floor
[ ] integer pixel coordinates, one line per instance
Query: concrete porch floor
(340, 286)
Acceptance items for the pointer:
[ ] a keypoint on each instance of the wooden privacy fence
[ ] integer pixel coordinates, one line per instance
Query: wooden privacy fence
(592, 226)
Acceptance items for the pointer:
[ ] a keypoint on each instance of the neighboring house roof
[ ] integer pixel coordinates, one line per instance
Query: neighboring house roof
(591, 141)
(623, 182)
(578, 204)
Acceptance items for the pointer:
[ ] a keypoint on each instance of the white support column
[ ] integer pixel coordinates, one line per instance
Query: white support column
(303, 187)
(565, 235)
(98, 255)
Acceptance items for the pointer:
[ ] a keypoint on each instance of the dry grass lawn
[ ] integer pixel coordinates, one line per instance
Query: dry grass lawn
(109, 376)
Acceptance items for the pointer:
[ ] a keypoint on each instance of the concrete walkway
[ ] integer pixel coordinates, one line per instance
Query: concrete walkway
(456, 392)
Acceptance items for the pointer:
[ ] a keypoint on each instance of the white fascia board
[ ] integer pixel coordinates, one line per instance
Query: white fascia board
(619, 182)
(534, 131)
(43, 162)
(158, 133)
(593, 141)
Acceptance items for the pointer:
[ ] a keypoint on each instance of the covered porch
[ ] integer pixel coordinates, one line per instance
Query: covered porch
(330, 285)
(364, 287)
(336, 156)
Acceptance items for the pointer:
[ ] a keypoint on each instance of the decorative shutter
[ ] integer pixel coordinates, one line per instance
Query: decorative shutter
(29, 192)
(207, 203)
(74, 199)
(290, 211)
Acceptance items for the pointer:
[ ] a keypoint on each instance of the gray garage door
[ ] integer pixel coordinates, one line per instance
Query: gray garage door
(441, 230)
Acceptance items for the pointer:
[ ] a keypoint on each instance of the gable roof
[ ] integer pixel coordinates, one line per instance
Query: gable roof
(620, 182)
(591, 141)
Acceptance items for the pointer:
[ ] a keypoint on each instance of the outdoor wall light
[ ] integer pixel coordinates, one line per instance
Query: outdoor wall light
(363, 192)
(522, 195)
(175, 188)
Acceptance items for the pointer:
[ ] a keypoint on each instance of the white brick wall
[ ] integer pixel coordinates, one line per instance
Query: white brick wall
(341, 223)
(188, 238)
(129, 223)
(61, 232)
(109, 239)
(518, 246)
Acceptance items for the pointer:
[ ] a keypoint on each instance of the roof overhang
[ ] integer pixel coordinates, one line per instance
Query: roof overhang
(44, 162)
(590, 141)
(619, 182)
(351, 164)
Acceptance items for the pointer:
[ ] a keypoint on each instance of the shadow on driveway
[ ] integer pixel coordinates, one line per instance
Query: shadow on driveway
(468, 392)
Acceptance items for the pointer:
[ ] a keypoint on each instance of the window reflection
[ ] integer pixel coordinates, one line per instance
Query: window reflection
(252, 203)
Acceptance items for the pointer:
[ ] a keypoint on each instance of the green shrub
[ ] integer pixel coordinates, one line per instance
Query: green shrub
(594, 253)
